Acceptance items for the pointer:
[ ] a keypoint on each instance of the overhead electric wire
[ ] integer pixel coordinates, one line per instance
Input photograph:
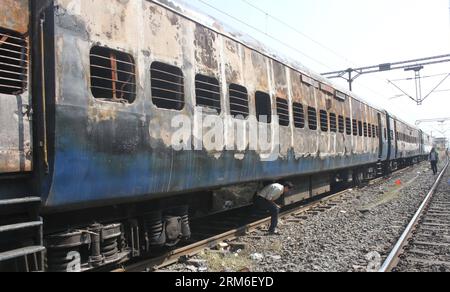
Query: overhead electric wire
(423, 77)
(437, 86)
(312, 40)
(264, 33)
(298, 31)
(277, 39)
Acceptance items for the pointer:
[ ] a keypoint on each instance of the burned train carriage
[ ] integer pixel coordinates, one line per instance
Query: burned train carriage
(88, 94)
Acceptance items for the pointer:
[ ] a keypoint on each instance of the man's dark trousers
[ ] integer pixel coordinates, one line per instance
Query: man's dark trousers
(434, 167)
(266, 205)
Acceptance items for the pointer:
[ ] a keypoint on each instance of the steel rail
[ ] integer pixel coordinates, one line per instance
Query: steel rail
(195, 248)
(394, 257)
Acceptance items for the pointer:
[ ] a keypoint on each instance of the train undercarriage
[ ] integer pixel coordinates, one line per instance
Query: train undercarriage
(99, 238)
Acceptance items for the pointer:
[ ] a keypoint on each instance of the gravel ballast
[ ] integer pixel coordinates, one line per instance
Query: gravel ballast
(356, 235)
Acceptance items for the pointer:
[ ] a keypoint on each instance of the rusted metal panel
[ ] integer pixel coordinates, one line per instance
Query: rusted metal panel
(237, 130)
(14, 15)
(280, 90)
(324, 103)
(307, 80)
(15, 109)
(340, 95)
(303, 143)
(305, 140)
(206, 46)
(327, 89)
(121, 152)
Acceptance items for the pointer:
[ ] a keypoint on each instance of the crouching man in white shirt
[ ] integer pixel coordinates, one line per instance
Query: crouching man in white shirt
(265, 200)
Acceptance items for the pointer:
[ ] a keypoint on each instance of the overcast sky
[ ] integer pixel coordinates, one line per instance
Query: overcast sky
(338, 34)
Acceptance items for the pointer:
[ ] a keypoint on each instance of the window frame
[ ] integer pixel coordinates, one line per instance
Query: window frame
(323, 114)
(10, 84)
(348, 126)
(284, 102)
(312, 126)
(333, 122)
(231, 104)
(114, 83)
(301, 112)
(219, 93)
(258, 95)
(182, 84)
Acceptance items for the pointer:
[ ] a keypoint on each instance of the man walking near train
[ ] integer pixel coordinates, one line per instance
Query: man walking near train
(434, 159)
(265, 200)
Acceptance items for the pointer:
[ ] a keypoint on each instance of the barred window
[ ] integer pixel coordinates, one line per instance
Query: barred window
(360, 128)
(324, 121)
(333, 123)
(283, 112)
(370, 131)
(374, 131)
(238, 101)
(341, 123)
(365, 129)
(348, 126)
(299, 115)
(13, 62)
(167, 86)
(113, 76)
(312, 118)
(207, 91)
(263, 107)
(355, 128)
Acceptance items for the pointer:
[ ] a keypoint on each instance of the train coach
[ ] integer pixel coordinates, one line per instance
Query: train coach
(90, 92)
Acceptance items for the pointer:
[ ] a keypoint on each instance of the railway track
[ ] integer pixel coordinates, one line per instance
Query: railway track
(424, 245)
(210, 232)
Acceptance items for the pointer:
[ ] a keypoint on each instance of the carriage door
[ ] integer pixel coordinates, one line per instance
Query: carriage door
(15, 100)
(380, 136)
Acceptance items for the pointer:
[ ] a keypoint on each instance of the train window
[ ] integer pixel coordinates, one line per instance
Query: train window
(167, 86)
(355, 128)
(333, 123)
(312, 118)
(238, 101)
(113, 76)
(377, 133)
(392, 135)
(283, 112)
(299, 115)
(341, 123)
(370, 131)
(360, 128)
(207, 92)
(263, 107)
(365, 129)
(324, 121)
(385, 134)
(348, 126)
(13, 62)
